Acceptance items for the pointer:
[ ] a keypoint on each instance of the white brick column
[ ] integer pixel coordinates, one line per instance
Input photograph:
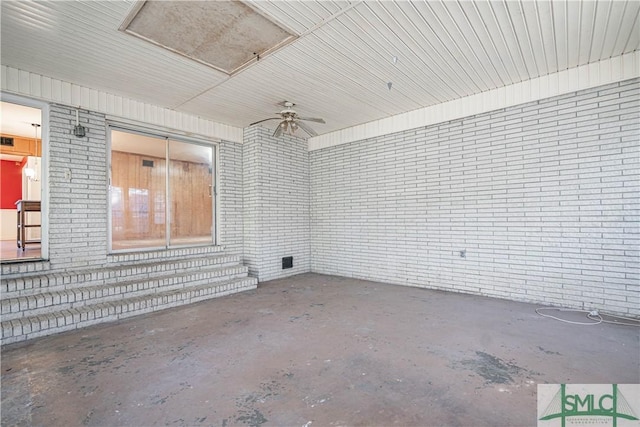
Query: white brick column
(276, 203)
(77, 190)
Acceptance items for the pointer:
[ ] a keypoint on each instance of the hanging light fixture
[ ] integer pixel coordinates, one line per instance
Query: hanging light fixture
(31, 171)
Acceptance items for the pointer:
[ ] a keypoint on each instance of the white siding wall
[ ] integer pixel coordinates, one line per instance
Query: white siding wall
(276, 203)
(544, 198)
(21, 82)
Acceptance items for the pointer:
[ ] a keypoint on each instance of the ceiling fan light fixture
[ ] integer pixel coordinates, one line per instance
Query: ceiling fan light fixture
(290, 121)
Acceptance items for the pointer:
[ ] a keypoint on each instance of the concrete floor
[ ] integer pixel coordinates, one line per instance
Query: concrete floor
(313, 350)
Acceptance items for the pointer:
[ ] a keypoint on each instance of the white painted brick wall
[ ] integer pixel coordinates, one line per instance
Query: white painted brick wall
(78, 193)
(230, 197)
(77, 190)
(544, 198)
(276, 203)
(250, 198)
(80, 278)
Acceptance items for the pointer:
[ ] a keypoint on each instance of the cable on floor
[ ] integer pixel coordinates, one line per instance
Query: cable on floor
(596, 321)
(617, 322)
(591, 315)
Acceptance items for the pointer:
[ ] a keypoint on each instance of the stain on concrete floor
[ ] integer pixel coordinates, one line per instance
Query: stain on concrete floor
(312, 350)
(493, 369)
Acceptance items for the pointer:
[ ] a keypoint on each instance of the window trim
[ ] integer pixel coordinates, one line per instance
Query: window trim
(167, 136)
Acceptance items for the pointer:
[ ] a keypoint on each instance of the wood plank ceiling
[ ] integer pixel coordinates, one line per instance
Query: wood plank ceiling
(339, 67)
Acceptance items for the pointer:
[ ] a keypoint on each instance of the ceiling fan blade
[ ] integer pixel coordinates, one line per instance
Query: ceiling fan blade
(305, 127)
(260, 121)
(278, 130)
(311, 119)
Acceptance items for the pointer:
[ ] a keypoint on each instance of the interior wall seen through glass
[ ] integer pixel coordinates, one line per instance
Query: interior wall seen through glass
(155, 203)
(138, 191)
(190, 184)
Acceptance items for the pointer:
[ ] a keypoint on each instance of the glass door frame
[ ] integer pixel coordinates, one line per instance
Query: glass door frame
(167, 136)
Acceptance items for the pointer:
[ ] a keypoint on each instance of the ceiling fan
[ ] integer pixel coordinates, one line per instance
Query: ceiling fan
(290, 121)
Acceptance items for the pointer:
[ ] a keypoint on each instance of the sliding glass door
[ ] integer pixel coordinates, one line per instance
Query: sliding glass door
(191, 190)
(161, 192)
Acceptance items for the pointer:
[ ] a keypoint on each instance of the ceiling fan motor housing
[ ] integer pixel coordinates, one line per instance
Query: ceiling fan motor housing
(290, 122)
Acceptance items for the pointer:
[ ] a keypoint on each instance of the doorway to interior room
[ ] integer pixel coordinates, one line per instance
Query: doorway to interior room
(21, 182)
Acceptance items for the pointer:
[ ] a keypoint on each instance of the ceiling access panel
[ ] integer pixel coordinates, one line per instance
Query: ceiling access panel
(225, 35)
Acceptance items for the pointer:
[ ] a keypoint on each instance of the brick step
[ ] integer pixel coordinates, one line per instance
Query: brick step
(11, 270)
(36, 283)
(134, 258)
(78, 317)
(73, 297)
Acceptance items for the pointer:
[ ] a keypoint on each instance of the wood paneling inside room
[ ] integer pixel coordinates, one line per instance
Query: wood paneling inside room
(20, 146)
(138, 198)
(191, 193)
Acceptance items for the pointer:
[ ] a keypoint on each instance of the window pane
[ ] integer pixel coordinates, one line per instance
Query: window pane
(190, 184)
(138, 191)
